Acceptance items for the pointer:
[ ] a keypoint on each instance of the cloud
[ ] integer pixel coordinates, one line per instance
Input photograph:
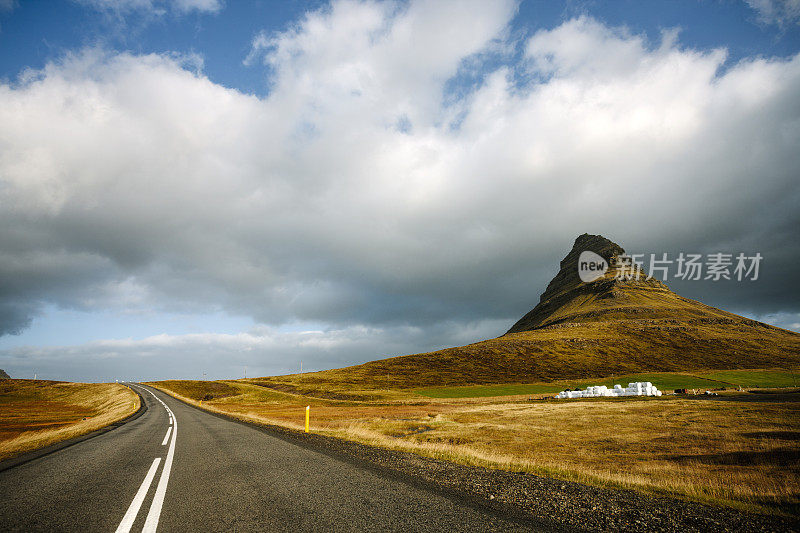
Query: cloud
(790, 321)
(203, 6)
(8, 5)
(153, 7)
(364, 190)
(779, 12)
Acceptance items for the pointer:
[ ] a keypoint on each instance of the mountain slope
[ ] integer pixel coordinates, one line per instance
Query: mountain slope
(605, 327)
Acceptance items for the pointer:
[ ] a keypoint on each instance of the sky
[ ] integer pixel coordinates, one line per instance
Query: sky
(219, 188)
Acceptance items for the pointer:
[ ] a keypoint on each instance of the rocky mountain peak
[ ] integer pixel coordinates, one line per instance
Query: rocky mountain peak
(567, 276)
(567, 285)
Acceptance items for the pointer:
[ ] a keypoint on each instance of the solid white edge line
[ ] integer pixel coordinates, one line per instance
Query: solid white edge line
(133, 509)
(166, 437)
(154, 514)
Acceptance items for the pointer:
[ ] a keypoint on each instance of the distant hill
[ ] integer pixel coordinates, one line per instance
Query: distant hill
(3, 374)
(605, 327)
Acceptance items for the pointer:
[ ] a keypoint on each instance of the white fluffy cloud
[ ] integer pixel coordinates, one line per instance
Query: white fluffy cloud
(780, 12)
(154, 7)
(364, 190)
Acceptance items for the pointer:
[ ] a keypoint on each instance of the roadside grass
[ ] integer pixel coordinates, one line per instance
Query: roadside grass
(742, 453)
(749, 470)
(199, 390)
(37, 413)
(264, 405)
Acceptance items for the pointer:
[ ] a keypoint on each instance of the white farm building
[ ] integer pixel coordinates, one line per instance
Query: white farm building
(640, 388)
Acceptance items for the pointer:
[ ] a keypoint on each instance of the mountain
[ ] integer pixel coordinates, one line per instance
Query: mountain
(613, 299)
(608, 326)
(3, 374)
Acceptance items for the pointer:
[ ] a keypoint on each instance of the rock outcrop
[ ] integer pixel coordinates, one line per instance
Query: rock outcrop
(567, 286)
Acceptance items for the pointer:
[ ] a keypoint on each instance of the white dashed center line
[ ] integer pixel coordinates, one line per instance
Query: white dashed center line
(166, 437)
(133, 510)
(151, 522)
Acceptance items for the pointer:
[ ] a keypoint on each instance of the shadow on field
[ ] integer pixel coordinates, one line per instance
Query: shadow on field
(771, 457)
(777, 435)
(751, 396)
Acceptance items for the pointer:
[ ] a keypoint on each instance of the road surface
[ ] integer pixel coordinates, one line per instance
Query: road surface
(177, 468)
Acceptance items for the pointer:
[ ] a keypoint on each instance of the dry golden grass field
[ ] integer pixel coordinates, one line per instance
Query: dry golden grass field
(37, 413)
(740, 449)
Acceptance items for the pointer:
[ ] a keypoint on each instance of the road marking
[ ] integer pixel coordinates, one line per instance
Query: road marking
(151, 523)
(133, 510)
(166, 437)
(153, 515)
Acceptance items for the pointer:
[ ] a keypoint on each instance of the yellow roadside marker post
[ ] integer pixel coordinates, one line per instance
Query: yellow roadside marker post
(308, 411)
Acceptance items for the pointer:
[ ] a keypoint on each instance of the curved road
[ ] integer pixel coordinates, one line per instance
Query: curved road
(177, 468)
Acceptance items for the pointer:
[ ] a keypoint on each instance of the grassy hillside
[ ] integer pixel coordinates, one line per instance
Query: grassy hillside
(37, 413)
(607, 327)
(597, 349)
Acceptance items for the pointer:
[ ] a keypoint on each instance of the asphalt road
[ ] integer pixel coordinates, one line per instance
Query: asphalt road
(177, 468)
